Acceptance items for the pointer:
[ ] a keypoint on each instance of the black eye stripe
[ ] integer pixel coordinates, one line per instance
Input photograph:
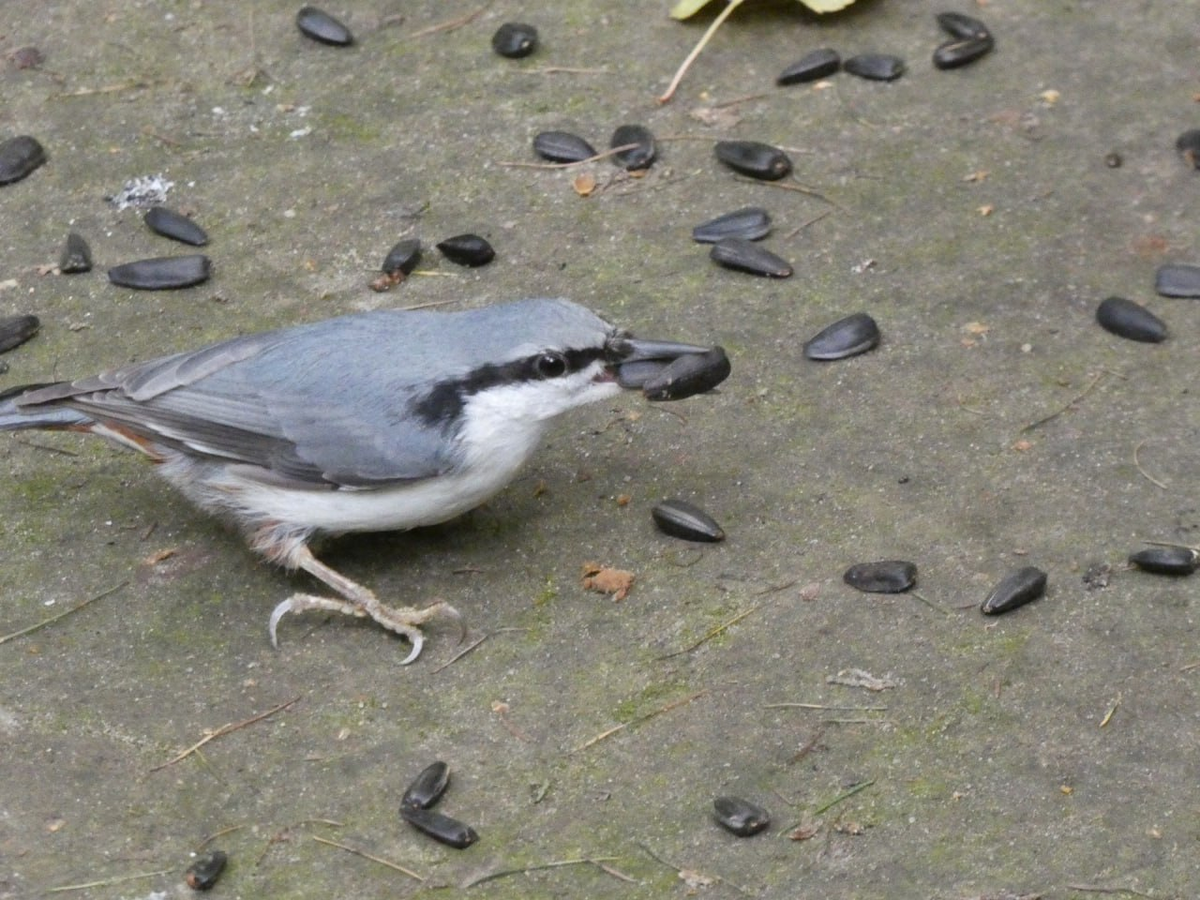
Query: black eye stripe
(445, 400)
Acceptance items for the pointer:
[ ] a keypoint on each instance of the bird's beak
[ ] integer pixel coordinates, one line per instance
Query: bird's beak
(666, 370)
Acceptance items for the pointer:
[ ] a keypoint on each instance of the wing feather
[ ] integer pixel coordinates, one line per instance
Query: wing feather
(304, 403)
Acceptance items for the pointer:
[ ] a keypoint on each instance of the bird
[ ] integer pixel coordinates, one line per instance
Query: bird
(384, 420)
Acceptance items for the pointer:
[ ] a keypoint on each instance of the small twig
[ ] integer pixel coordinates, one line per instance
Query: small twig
(558, 70)
(107, 89)
(934, 606)
(824, 706)
(285, 834)
(453, 24)
(813, 221)
(1070, 403)
(105, 882)
(843, 796)
(1190, 666)
(216, 834)
(78, 606)
(771, 589)
(712, 634)
(1112, 710)
(170, 142)
(736, 100)
(557, 864)
(658, 712)
(615, 873)
(808, 747)
(963, 406)
(365, 855)
(679, 870)
(697, 50)
(460, 654)
(1146, 474)
(567, 165)
(1101, 889)
(224, 730)
(792, 186)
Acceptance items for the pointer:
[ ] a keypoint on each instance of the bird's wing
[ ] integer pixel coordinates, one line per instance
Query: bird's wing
(305, 405)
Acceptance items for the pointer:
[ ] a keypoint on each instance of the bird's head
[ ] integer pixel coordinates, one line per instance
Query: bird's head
(535, 359)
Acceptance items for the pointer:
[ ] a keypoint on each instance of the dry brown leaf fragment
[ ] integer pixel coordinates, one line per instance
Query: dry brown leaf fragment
(584, 184)
(863, 679)
(694, 879)
(803, 832)
(606, 580)
(716, 116)
(159, 555)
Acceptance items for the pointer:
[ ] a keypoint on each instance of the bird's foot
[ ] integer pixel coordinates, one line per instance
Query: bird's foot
(404, 620)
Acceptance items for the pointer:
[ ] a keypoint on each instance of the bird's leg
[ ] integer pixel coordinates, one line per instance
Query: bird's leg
(360, 602)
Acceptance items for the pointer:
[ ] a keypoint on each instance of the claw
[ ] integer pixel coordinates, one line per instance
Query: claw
(276, 614)
(452, 613)
(418, 641)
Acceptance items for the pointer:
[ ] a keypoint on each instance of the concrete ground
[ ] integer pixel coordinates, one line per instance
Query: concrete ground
(1051, 752)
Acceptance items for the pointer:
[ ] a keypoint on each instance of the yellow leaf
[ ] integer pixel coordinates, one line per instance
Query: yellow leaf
(685, 9)
(824, 6)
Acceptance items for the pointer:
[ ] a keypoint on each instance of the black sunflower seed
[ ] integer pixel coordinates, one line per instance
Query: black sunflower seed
(562, 146)
(1127, 319)
(174, 225)
(1017, 589)
(846, 337)
(739, 816)
(1165, 560)
(515, 39)
(1188, 144)
(688, 375)
(750, 223)
(875, 66)
(403, 257)
(450, 832)
(76, 256)
(427, 788)
(962, 26)
(16, 330)
(321, 26)
(810, 67)
(754, 158)
(953, 54)
(162, 273)
(681, 519)
(204, 871)
(18, 157)
(639, 156)
(1178, 280)
(467, 250)
(737, 253)
(889, 576)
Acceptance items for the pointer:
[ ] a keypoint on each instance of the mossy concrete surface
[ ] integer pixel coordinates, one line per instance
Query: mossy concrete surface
(1050, 752)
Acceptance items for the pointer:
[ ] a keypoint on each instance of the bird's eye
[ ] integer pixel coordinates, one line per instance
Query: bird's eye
(551, 365)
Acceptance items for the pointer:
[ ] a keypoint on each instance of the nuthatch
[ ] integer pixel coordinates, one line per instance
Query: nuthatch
(375, 421)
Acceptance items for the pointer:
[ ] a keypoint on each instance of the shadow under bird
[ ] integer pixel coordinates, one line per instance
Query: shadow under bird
(375, 421)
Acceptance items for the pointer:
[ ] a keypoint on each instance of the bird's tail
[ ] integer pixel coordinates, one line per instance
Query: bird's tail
(15, 417)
